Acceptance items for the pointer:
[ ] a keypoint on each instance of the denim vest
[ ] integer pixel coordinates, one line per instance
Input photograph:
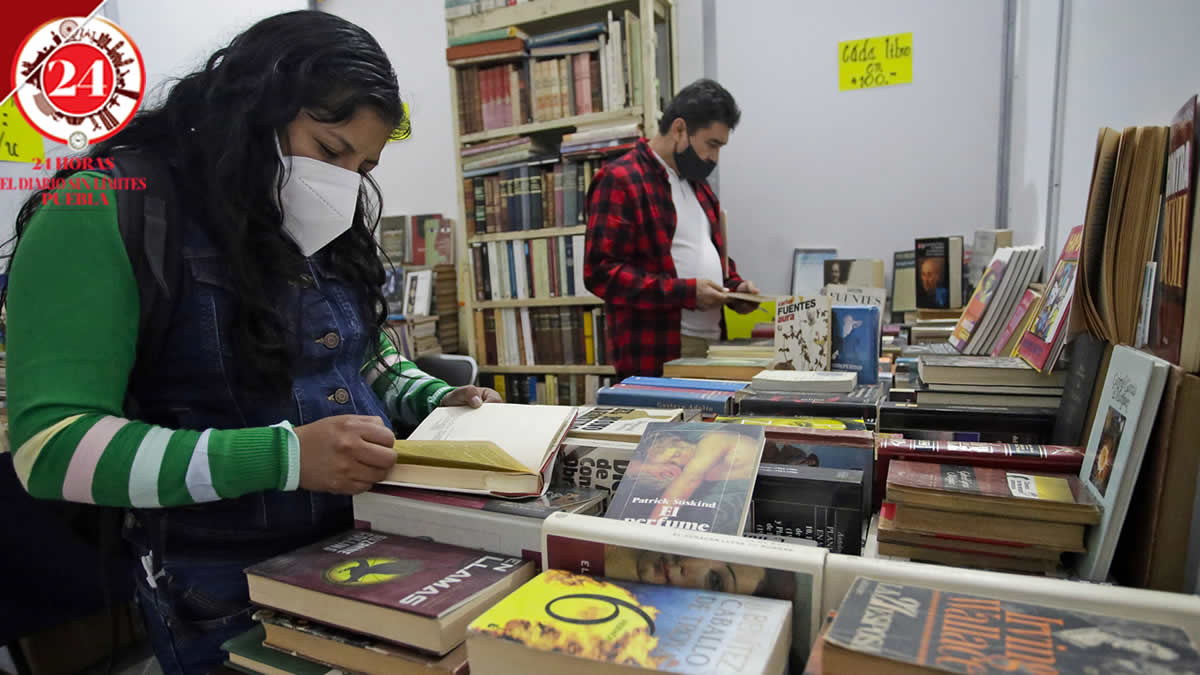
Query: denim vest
(192, 387)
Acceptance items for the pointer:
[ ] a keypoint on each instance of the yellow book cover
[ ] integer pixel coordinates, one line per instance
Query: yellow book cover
(567, 616)
(589, 342)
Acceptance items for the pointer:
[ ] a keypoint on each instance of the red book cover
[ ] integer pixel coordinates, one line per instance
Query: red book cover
(1014, 322)
(413, 575)
(583, 85)
(1166, 324)
(489, 48)
(987, 482)
(1051, 321)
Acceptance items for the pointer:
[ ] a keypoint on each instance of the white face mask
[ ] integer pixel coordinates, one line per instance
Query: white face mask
(318, 200)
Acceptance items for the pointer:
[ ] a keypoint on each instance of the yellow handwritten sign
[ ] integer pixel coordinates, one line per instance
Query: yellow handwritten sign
(875, 62)
(19, 142)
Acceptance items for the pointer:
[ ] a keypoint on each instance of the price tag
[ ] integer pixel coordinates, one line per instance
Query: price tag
(875, 62)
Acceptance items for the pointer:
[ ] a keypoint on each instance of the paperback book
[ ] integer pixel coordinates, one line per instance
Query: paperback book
(693, 476)
(600, 547)
(802, 327)
(882, 626)
(856, 341)
(559, 619)
(1043, 341)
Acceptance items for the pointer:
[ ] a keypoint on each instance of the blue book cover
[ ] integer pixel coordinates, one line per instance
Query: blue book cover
(856, 342)
(572, 34)
(716, 402)
(682, 383)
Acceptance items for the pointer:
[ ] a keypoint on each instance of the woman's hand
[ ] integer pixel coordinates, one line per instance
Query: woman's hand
(345, 454)
(472, 396)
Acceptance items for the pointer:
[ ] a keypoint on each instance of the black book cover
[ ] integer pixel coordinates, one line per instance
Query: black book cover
(860, 403)
(990, 424)
(1085, 355)
(817, 503)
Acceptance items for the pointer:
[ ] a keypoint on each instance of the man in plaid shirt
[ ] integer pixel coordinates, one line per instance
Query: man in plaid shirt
(654, 247)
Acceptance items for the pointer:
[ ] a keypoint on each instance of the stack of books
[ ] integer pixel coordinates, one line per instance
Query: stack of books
(369, 602)
(713, 396)
(982, 381)
(984, 517)
(600, 140)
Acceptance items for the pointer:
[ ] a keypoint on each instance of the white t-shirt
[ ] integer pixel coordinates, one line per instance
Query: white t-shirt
(694, 254)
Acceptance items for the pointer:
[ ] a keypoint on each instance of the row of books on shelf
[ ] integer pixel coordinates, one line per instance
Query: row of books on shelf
(550, 267)
(529, 197)
(576, 390)
(506, 78)
(528, 336)
(737, 521)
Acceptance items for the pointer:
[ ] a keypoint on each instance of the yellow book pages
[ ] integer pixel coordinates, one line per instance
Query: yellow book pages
(478, 455)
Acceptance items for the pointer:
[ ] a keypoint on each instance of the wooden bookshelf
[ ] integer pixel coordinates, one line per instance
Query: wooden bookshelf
(569, 301)
(528, 234)
(542, 15)
(548, 370)
(537, 17)
(626, 115)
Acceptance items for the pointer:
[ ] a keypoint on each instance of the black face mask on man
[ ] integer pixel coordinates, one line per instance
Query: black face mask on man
(689, 164)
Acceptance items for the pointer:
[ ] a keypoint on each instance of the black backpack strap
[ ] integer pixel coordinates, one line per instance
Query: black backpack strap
(151, 230)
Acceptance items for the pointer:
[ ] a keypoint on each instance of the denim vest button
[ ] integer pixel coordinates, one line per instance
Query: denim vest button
(331, 340)
(340, 396)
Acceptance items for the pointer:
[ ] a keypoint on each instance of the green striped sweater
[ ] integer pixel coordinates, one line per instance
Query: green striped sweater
(72, 329)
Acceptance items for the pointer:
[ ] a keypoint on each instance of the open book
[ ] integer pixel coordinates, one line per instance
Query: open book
(499, 449)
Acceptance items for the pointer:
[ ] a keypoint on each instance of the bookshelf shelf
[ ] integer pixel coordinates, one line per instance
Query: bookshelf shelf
(571, 301)
(528, 234)
(651, 66)
(534, 12)
(548, 370)
(626, 115)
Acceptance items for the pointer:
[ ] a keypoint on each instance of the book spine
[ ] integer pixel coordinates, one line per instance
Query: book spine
(513, 535)
(661, 399)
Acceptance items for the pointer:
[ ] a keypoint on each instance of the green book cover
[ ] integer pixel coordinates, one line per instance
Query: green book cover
(247, 650)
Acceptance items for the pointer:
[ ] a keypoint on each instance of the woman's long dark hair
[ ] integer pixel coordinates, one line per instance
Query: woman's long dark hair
(217, 129)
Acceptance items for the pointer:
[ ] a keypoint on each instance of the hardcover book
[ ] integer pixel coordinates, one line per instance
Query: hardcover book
(693, 476)
(247, 653)
(406, 590)
(860, 403)
(991, 491)
(856, 341)
(559, 619)
(599, 547)
(618, 424)
(1043, 340)
(802, 326)
(1115, 447)
(287, 635)
(1175, 237)
(1010, 456)
(882, 626)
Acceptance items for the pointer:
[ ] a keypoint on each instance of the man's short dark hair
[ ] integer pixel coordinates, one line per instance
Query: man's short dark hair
(700, 104)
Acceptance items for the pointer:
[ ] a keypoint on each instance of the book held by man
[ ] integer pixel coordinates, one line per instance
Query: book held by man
(506, 450)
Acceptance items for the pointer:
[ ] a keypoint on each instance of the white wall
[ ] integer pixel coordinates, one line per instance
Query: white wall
(174, 39)
(864, 171)
(1130, 63)
(1034, 53)
(416, 175)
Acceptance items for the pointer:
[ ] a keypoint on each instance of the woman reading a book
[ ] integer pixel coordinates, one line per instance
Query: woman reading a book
(271, 395)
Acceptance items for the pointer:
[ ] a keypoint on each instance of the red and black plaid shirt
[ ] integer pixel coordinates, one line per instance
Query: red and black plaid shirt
(631, 222)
